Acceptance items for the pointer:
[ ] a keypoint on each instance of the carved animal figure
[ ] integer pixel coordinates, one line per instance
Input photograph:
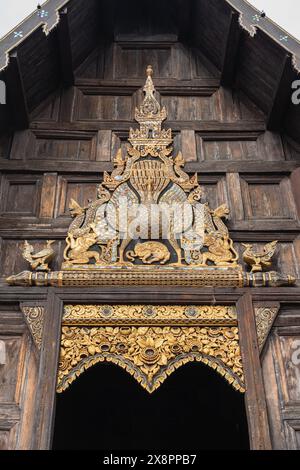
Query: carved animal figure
(218, 214)
(259, 259)
(220, 251)
(150, 252)
(38, 261)
(77, 250)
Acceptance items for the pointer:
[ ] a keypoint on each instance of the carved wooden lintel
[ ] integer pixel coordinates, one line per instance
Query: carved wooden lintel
(150, 341)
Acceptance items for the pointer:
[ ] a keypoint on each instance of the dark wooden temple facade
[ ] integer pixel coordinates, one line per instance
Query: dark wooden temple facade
(74, 76)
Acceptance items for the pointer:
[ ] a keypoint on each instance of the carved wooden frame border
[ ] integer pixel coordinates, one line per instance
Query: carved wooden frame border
(56, 298)
(149, 341)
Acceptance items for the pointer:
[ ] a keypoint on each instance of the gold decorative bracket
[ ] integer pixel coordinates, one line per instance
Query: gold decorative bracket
(34, 317)
(264, 318)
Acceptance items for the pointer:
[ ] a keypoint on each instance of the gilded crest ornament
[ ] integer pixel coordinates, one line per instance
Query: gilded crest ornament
(149, 225)
(259, 259)
(149, 176)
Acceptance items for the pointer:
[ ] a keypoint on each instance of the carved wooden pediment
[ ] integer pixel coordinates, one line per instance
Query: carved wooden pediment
(149, 224)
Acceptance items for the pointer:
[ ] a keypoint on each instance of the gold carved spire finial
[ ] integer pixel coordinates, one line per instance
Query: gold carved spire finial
(149, 71)
(150, 116)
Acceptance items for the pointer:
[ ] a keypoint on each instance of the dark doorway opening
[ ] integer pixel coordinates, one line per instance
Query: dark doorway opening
(106, 409)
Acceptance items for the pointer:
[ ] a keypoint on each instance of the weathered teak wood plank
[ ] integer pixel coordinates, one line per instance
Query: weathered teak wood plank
(255, 394)
(46, 387)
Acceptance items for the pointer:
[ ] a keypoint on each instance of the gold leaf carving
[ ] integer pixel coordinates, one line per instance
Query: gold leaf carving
(38, 261)
(35, 319)
(146, 314)
(147, 349)
(264, 317)
(167, 249)
(149, 175)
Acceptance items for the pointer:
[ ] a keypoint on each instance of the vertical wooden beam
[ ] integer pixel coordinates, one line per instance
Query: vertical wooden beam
(295, 182)
(256, 406)
(4, 117)
(282, 95)
(46, 387)
(231, 50)
(65, 49)
(188, 145)
(234, 191)
(16, 97)
(104, 145)
(48, 195)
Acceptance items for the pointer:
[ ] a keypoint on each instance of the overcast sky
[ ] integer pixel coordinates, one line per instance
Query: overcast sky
(284, 12)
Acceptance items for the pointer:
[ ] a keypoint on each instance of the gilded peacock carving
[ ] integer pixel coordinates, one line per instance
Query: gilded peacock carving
(259, 259)
(38, 261)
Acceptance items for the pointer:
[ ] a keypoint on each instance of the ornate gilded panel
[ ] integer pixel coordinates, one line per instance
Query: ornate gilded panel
(150, 224)
(150, 342)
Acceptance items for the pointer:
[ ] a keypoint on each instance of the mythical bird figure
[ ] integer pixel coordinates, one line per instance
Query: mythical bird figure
(259, 259)
(38, 261)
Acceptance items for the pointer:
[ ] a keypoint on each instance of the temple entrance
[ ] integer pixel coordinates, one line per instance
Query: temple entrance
(105, 409)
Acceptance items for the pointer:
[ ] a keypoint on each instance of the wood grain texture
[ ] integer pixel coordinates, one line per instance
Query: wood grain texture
(17, 378)
(255, 393)
(223, 92)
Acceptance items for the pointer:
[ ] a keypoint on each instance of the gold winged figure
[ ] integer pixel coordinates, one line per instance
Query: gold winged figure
(261, 258)
(38, 261)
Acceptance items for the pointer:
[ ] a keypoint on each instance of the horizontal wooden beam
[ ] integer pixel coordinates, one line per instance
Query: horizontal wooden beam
(195, 87)
(97, 168)
(152, 294)
(206, 127)
(50, 228)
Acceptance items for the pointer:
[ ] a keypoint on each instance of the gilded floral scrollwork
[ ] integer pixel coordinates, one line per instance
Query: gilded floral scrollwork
(150, 354)
(89, 315)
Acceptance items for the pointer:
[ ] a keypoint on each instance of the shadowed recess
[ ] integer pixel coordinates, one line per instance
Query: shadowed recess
(194, 409)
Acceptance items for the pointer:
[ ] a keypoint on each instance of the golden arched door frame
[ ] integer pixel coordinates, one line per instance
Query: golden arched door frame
(54, 322)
